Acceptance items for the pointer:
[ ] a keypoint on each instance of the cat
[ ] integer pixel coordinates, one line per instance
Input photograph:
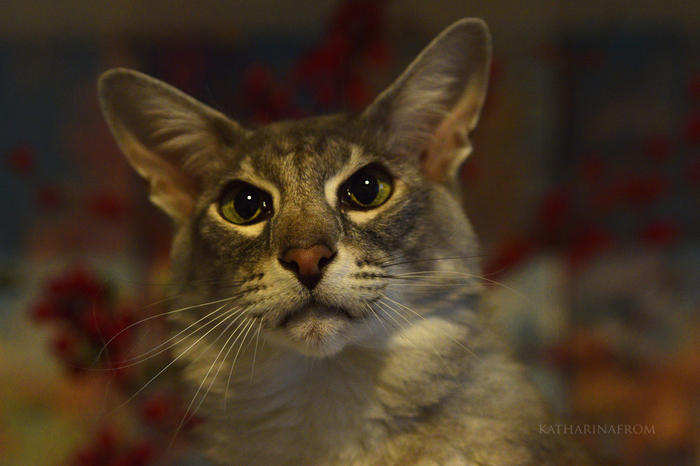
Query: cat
(326, 279)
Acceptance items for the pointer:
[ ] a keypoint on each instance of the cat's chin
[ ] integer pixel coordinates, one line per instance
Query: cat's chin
(316, 331)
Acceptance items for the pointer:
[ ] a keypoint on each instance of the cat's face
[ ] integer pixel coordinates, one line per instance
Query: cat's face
(312, 233)
(307, 225)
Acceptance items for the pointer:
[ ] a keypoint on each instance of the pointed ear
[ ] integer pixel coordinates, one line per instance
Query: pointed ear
(169, 137)
(431, 108)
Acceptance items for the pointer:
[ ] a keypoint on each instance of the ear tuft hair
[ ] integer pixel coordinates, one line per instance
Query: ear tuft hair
(169, 137)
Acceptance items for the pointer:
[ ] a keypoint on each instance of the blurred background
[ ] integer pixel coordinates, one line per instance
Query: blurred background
(584, 188)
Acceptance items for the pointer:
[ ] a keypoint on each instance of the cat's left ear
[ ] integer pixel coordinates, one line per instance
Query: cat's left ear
(170, 138)
(429, 111)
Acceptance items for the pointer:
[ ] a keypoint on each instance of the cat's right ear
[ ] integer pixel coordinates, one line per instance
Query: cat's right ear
(169, 137)
(429, 111)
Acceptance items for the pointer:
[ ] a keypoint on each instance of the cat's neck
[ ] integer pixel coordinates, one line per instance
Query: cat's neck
(406, 361)
(357, 397)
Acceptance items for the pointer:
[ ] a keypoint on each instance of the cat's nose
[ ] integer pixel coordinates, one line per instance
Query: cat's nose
(307, 263)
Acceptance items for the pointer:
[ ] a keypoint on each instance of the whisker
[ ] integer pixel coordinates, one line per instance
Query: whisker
(441, 331)
(379, 317)
(403, 335)
(387, 306)
(367, 325)
(189, 413)
(435, 259)
(163, 314)
(442, 274)
(172, 283)
(255, 352)
(153, 352)
(413, 251)
(168, 365)
(235, 358)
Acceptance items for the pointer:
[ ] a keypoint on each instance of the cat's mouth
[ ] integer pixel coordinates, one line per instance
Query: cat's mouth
(314, 310)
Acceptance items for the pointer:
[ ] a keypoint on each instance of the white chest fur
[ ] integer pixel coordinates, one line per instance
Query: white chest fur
(291, 409)
(296, 411)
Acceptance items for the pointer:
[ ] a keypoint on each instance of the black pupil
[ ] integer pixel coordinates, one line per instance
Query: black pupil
(364, 187)
(247, 202)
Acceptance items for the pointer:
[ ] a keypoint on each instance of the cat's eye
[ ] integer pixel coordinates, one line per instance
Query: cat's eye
(368, 188)
(244, 204)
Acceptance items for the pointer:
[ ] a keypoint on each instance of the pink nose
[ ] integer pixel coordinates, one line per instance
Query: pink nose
(307, 263)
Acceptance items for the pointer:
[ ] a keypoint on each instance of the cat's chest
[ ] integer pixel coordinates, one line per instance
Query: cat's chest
(308, 412)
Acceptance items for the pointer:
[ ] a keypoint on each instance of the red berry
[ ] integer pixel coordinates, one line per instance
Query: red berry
(643, 190)
(325, 94)
(508, 255)
(380, 53)
(658, 148)
(661, 233)
(357, 94)
(156, 409)
(121, 372)
(87, 458)
(257, 78)
(279, 100)
(692, 173)
(64, 344)
(44, 311)
(589, 243)
(592, 167)
(21, 160)
(108, 206)
(692, 129)
(49, 197)
(263, 117)
(694, 87)
(143, 453)
(119, 333)
(92, 324)
(556, 209)
(107, 439)
(83, 281)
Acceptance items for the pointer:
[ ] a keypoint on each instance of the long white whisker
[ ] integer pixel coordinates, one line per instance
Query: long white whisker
(188, 412)
(454, 376)
(443, 274)
(255, 352)
(379, 318)
(235, 358)
(433, 259)
(153, 352)
(441, 331)
(163, 314)
(387, 263)
(403, 334)
(170, 364)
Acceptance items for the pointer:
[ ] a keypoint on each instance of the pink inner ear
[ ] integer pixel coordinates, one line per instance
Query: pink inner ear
(447, 150)
(174, 195)
(449, 146)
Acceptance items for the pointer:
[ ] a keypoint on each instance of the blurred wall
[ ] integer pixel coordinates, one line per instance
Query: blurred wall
(511, 21)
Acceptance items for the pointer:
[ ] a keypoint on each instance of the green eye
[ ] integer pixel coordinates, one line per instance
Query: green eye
(368, 188)
(243, 204)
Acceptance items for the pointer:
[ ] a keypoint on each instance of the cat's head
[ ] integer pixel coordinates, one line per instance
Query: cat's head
(320, 232)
